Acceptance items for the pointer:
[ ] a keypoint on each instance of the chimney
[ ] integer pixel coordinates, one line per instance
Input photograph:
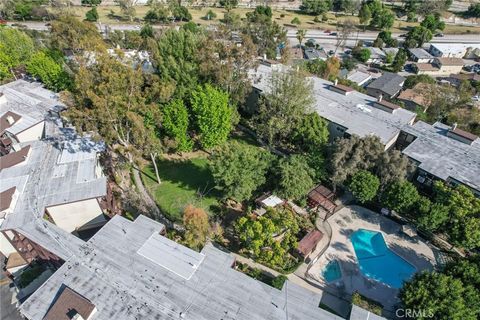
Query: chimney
(454, 126)
(335, 82)
(380, 97)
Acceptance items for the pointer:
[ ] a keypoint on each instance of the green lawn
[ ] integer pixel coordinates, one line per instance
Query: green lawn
(183, 182)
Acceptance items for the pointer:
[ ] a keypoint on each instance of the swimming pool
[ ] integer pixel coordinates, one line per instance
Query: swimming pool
(377, 261)
(332, 271)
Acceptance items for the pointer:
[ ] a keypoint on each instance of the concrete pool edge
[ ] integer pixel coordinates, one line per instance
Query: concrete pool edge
(388, 247)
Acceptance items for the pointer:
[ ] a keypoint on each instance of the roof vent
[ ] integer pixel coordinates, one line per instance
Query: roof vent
(10, 120)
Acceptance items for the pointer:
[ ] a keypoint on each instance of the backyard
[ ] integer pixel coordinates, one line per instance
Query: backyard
(184, 181)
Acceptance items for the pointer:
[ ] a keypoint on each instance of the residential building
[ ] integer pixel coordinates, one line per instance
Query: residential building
(312, 54)
(129, 270)
(359, 77)
(420, 55)
(455, 50)
(391, 51)
(377, 56)
(441, 152)
(51, 187)
(456, 79)
(347, 111)
(415, 98)
(388, 85)
(440, 66)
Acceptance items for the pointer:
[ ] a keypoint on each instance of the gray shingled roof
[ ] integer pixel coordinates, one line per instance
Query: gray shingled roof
(420, 53)
(122, 284)
(44, 179)
(389, 83)
(443, 156)
(354, 111)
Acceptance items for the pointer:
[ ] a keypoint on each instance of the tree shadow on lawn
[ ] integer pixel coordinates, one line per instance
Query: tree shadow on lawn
(189, 174)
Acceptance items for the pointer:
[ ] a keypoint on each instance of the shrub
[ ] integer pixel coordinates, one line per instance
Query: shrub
(279, 281)
(295, 20)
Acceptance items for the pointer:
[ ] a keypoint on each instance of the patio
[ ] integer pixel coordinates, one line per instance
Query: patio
(348, 220)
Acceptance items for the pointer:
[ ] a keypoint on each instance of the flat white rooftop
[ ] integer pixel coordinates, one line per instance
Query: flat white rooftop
(172, 256)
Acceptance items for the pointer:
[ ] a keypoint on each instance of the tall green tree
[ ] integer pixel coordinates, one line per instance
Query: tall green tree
(400, 196)
(239, 169)
(51, 73)
(295, 177)
(212, 115)
(266, 34)
(464, 209)
(364, 186)
(91, 15)
(364, 15)
(433, 22)
(176, 60)
(311, 133)
(108, 99)
(399, 60)
(230, 71)
(176, 124)
(16, 48)
(68, 32)
(434, 295)
(316, 7)
(283, 106)
(417, 36)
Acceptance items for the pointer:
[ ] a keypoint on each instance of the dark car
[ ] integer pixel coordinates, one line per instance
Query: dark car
(440, 35)
(403, 35)
(333, 34)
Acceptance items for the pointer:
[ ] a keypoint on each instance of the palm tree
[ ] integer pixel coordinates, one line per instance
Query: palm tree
(301, 35)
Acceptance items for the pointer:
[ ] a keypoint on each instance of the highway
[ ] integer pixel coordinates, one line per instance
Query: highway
(291, 33)
(370, 36)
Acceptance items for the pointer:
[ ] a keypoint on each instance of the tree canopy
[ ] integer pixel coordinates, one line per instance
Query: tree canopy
(295, 177)
(400, 196)
(283, 107)
(364, 186)
(212, 115)
(239, 169)
(258, 235)
(439, 296)
(197, 227)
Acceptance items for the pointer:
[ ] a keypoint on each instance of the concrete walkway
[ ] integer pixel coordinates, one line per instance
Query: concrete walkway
(255, 265)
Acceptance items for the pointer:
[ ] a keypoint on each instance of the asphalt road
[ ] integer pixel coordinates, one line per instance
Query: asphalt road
(291, 33)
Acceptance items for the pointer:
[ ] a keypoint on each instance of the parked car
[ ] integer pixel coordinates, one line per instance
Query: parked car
(440, 35)
(333, 34)
(404, 35)
(476, 98)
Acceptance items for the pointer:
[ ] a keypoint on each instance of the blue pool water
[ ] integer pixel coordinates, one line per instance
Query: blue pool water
(332, 271)
(377, 261)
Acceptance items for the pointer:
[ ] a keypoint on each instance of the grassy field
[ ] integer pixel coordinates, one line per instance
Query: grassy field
(183, 182)
(111, 15)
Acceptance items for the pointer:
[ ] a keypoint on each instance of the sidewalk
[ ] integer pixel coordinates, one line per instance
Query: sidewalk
(256, 265)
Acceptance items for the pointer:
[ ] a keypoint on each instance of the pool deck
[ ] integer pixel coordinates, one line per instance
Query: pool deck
(343, 224)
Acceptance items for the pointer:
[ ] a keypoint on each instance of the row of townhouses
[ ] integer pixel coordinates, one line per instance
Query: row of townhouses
(57, 207)
(439, 151)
